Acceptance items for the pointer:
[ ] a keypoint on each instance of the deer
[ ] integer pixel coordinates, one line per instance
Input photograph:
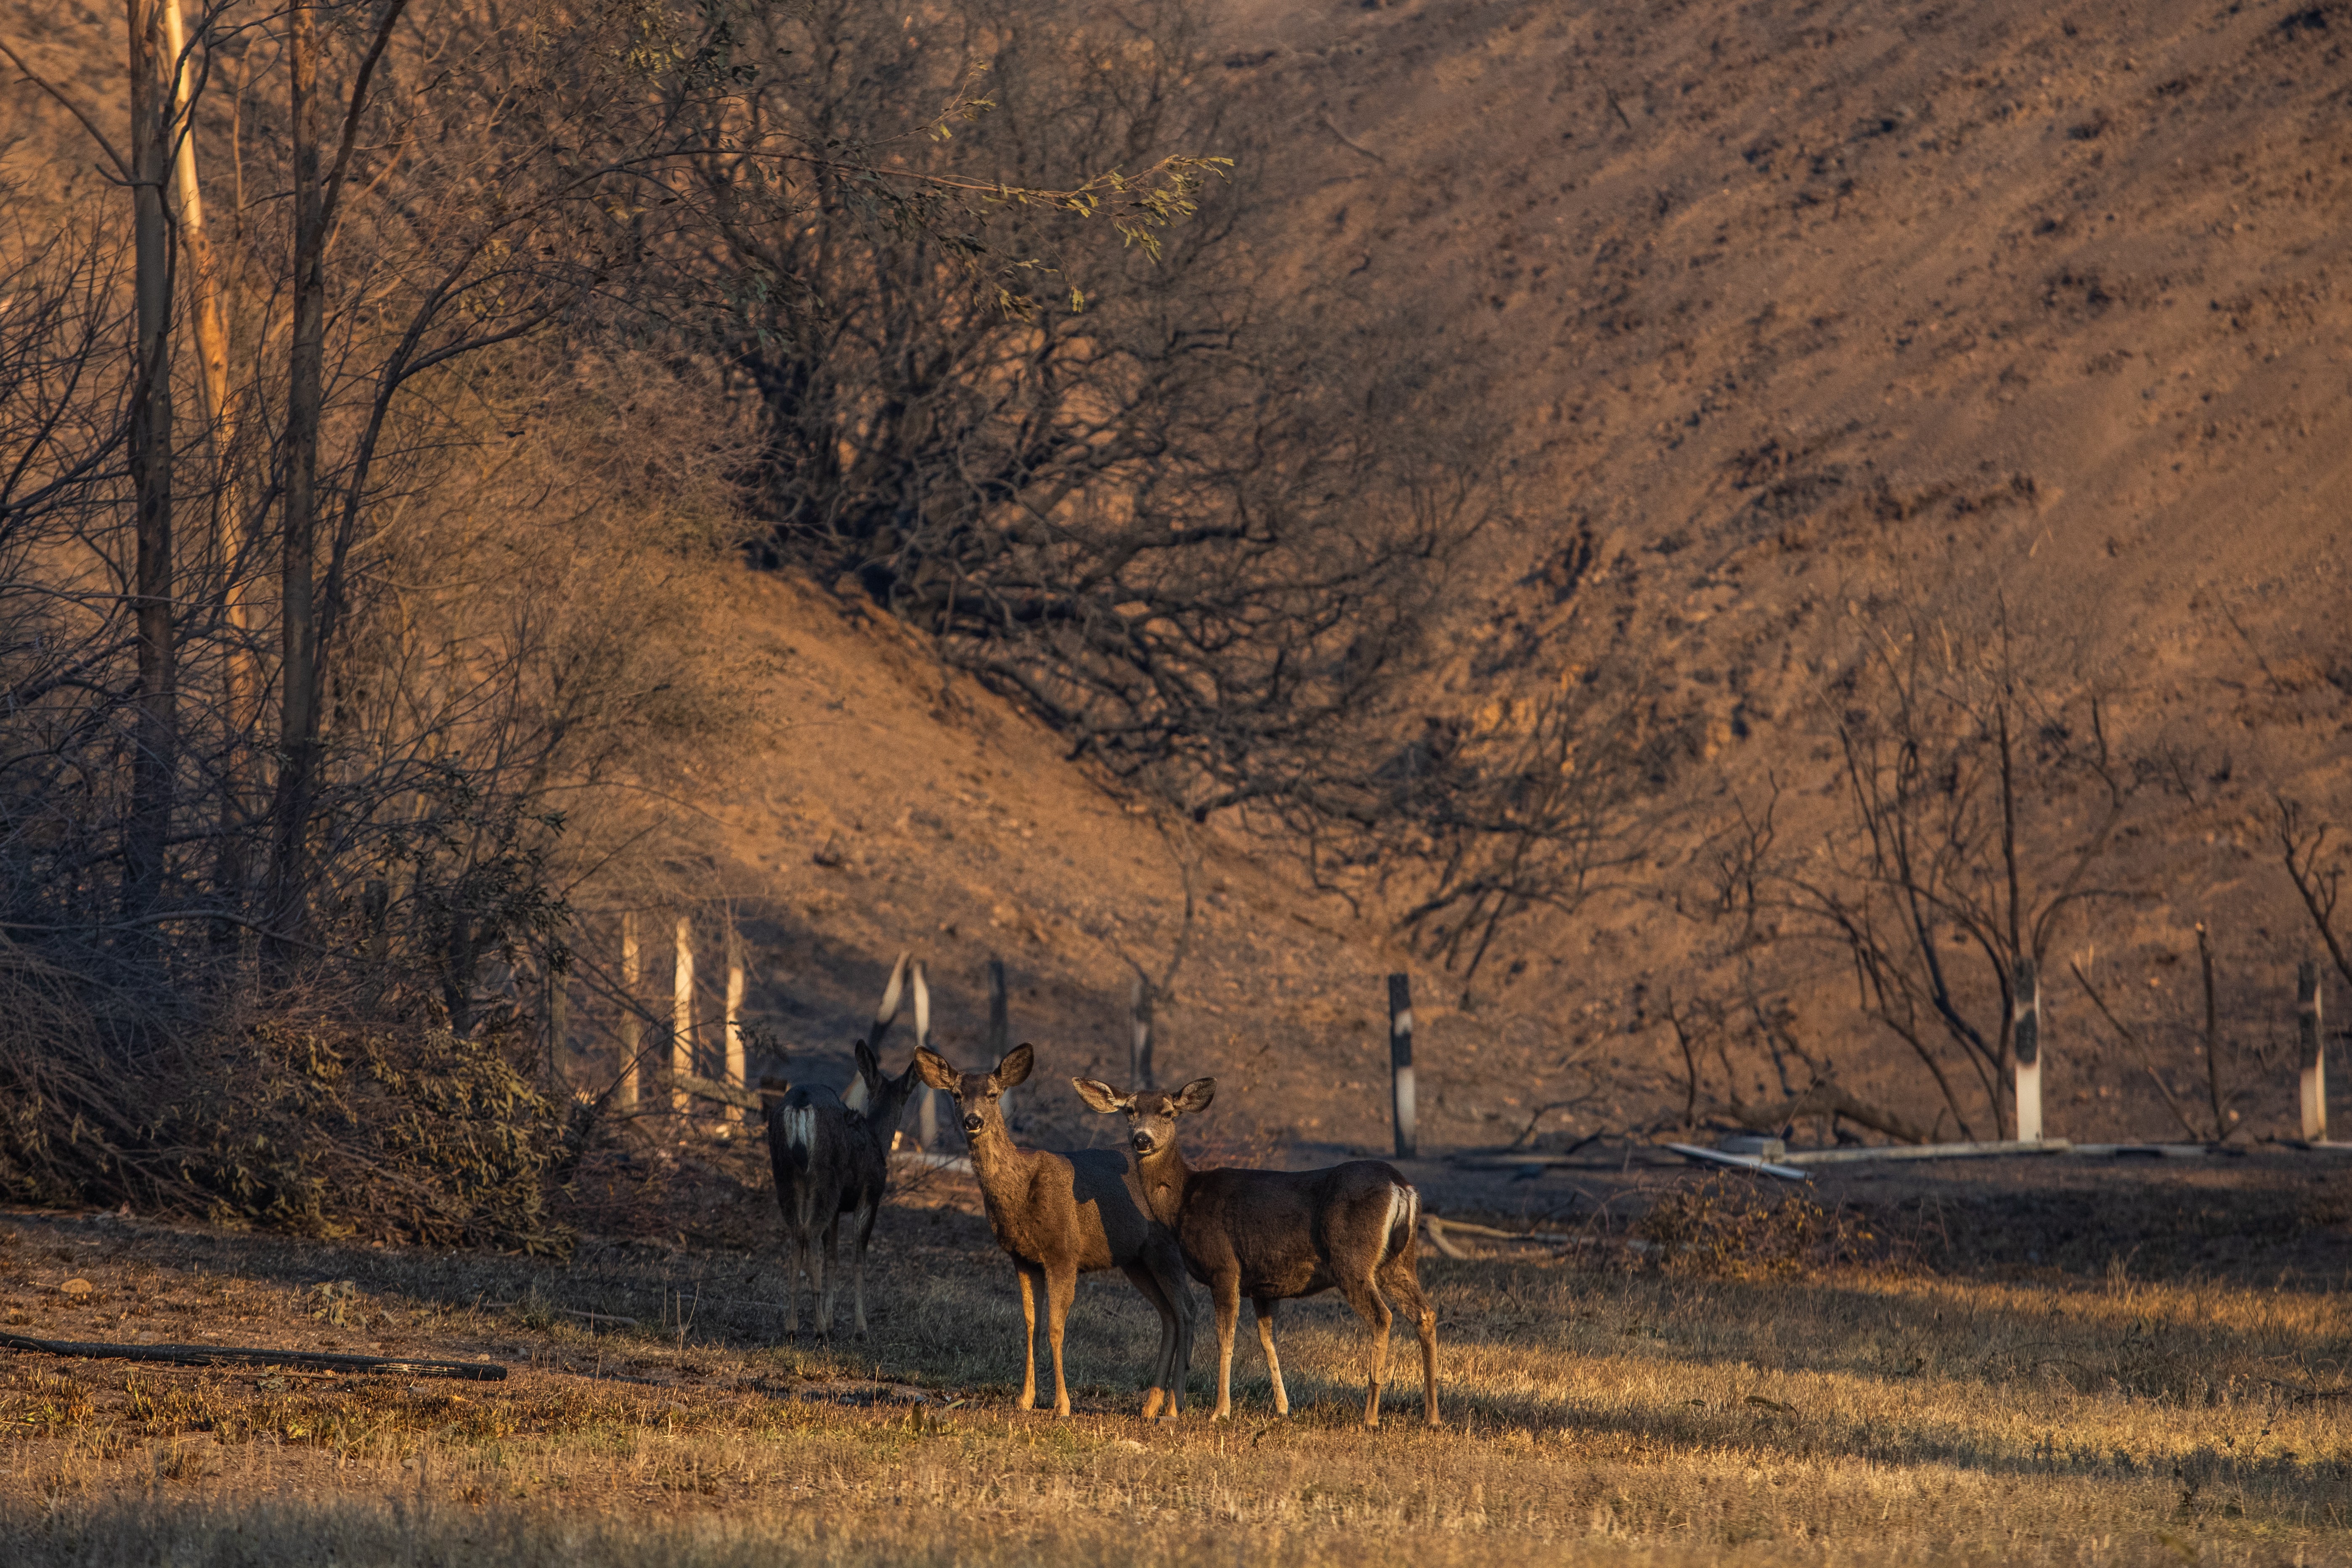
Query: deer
(1278, 1234)
(1061, 1214)
(832, 1159)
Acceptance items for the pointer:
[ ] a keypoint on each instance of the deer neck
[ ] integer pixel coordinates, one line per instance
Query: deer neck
(1164, 1175)
(1002, 1169)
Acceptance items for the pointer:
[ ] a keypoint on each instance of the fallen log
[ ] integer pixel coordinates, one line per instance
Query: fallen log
(247, 1356)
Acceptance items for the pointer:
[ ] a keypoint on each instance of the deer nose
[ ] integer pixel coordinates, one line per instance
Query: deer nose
(1142, 1141)
(971, 1123)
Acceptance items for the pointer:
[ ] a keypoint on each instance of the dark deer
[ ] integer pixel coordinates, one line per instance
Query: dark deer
(832, 1159)
(1062, 1214)
(1274, 1235)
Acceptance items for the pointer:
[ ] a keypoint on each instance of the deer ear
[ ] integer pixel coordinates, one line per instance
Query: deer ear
(1015, 1066)
(1195, 1096)
(937, 1072)
(1100, 1096)
(869, 1071)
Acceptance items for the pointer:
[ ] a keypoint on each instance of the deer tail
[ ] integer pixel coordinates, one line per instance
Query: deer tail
(796, 1126)
(1404, 1217)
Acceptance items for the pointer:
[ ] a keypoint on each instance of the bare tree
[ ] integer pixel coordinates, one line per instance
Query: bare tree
(2318, 871)
(1981, 794)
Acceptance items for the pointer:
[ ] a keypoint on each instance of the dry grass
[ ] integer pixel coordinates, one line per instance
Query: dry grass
(1832, 1416)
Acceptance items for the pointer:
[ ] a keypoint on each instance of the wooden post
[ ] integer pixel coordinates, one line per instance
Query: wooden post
(999, 1028)
(734, 1074)
(558, 1023)
(2025, 1034)
(1138, 1042)
(2212, 1037)
(633, 1027)
(375, 912)
(681, 1006)
(2315, 1064)
(1401, 1062)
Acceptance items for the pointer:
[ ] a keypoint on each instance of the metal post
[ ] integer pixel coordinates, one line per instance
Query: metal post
(1139, 1041)
(1400, 1061)
(2315, 1064)
(2026, 1033)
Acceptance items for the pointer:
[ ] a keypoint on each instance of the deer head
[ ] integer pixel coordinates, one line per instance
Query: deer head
(976, 1093)
(1150, 1116)
(884, 1098)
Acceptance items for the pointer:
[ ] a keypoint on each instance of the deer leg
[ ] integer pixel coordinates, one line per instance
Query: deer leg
(1178, 1288)
(1143, 1279)
(1407, 1290)
(1264, 1307)
(792, 1282)
(863, 1223)
(1364, 1294)
(828, 1277)
(1227, 1288)
(1029, 1289)
(1061, 1289)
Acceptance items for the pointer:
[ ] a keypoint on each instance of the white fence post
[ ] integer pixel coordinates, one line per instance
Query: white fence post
(681, 1005)
(735, 978)
(633, 1027)
(2026, 1034)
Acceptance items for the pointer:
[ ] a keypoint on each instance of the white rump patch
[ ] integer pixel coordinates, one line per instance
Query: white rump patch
(799, 1126)
(1405, 1209)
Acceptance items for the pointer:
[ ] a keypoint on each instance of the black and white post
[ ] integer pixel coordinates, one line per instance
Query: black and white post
(2025, 1032)
(1138, 1040)
(2308, 1022)
(1400, 1061)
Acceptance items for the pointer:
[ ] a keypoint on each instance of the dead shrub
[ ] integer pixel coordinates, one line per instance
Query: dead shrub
(1729, 1227)
(408, 1133)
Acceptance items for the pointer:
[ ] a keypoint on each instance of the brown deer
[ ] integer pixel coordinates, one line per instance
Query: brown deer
(1062, 1214)
(1274, 1235)
(832, 1159)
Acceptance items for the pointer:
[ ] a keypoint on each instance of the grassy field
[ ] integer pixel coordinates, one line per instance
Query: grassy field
(1600, 1413)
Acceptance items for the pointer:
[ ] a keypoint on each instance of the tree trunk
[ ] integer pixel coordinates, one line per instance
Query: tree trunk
(241, 677)
(298, 629)
(154, 761)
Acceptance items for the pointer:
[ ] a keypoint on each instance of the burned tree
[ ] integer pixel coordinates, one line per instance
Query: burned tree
(1976, 796)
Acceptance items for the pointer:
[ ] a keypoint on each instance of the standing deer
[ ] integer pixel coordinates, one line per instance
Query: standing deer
(1062, 1214)
(1275, 1235)
(832, 1160)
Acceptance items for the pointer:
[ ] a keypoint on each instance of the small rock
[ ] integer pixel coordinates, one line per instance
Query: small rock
(77, 1287)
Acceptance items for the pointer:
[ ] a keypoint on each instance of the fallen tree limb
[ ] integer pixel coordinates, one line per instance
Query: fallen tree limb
(1826, 1100)
(243, 1356)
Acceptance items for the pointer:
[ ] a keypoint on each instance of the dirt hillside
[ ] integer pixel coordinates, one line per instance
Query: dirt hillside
(1779, 304)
